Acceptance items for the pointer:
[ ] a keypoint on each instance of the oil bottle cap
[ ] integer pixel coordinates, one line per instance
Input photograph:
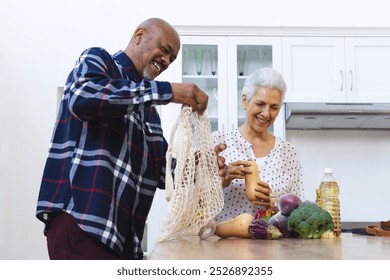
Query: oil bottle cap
(328, 170)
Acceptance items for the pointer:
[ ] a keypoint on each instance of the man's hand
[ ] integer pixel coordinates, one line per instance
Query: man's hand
(189, 94)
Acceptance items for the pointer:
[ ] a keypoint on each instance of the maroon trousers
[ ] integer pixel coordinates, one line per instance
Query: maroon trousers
(66, 241)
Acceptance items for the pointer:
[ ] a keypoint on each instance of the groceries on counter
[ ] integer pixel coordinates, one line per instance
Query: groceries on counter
(294, 219)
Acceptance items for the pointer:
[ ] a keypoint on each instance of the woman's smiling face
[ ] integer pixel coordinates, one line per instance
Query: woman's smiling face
(262, 109)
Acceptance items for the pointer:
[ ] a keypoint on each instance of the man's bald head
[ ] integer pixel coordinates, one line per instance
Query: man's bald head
(154, 45)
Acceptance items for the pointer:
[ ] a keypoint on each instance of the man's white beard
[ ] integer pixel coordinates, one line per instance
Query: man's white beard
(146, 74)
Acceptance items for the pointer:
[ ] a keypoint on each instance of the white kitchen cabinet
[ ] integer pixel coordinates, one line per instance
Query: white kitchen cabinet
(336, 69)
(368, 69)
(214, 85)
(237, 57)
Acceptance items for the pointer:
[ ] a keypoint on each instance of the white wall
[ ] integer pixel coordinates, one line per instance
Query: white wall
(360, 162)
(40, 41)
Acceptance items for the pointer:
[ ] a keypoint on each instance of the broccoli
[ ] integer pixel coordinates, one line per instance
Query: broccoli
(310, 221)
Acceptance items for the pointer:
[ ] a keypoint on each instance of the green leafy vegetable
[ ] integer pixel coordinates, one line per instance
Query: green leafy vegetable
(310, 221)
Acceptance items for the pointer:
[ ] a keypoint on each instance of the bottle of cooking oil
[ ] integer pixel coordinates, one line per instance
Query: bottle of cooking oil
(329, 200)
(318, 197)
(273, 208)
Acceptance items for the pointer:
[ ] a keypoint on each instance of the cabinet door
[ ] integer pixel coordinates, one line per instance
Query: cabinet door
(245, 55)
(314, 69)
(204, 62)
(368, 69)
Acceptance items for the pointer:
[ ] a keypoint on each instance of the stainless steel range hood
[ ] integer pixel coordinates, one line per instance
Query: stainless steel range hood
(309, 115)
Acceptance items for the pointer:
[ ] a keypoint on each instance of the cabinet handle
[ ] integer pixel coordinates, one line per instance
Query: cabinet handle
(350, 71)
(342, 80)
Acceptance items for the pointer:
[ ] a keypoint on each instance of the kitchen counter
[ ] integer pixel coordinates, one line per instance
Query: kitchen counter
(348, 247)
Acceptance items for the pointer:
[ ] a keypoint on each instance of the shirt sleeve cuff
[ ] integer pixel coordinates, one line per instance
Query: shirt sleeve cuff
(165, 92)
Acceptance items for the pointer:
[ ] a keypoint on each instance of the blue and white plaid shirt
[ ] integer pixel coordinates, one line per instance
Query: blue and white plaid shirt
(107, 153)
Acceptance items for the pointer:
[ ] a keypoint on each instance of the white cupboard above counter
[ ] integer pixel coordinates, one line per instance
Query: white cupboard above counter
(345, 69)
(219, 65)
(338, 69)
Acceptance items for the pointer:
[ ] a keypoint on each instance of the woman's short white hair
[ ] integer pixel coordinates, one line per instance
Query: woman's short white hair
(264, 77)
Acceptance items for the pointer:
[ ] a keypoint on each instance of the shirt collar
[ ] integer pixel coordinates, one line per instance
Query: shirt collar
(127, 66)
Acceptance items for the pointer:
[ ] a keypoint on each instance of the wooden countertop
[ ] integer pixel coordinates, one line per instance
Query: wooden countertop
(348, 247)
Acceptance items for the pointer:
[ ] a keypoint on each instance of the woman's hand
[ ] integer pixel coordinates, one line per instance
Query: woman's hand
(221, 160)
(235, 170)
(262, 192)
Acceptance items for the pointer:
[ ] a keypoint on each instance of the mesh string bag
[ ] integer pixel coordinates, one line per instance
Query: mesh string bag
(195, 192)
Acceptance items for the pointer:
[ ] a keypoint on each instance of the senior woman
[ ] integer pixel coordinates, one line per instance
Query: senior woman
(277, 159)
